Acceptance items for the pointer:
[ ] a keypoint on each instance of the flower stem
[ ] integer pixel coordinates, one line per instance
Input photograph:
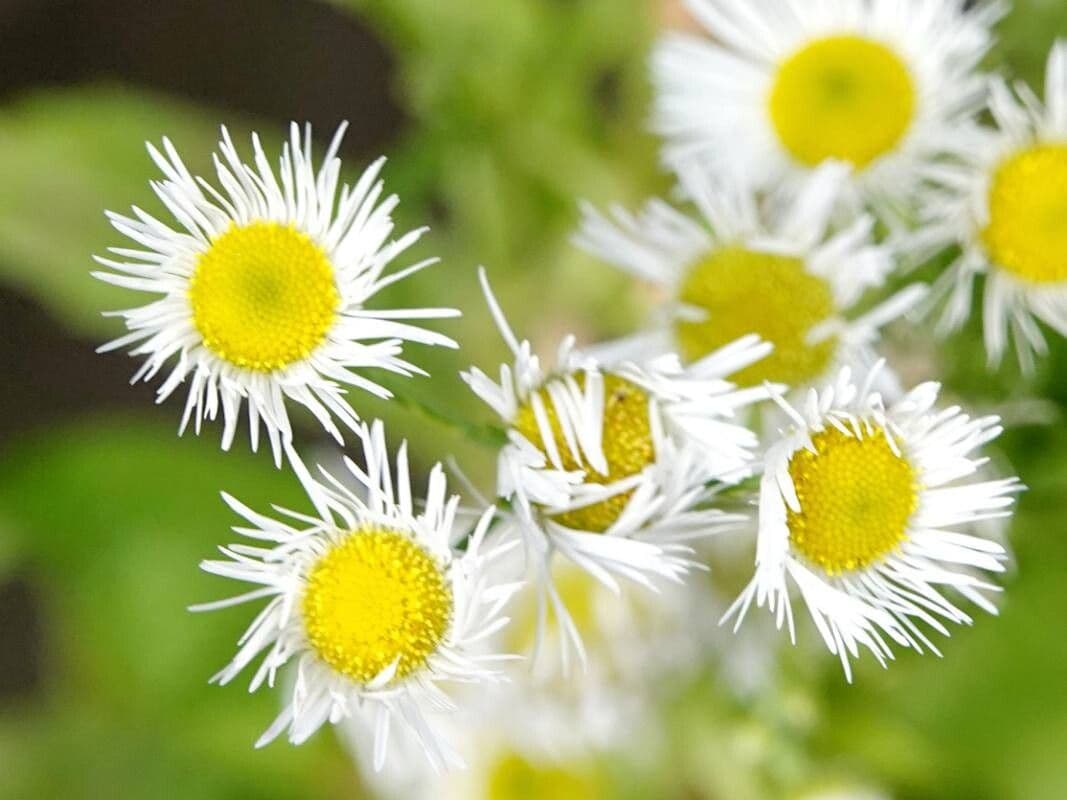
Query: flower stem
(485, 434)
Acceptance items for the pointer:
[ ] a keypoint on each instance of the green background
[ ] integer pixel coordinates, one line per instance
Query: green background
(508, 111)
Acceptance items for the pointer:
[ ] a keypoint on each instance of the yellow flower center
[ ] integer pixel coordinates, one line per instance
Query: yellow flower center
(627, 442)
(843, 97)
(856, 498)
(373, 598)
(1027, 231)
(513, 777)
(263, 296)
(745, 291)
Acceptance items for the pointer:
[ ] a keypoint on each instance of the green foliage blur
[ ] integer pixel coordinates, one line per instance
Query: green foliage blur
(516, 108)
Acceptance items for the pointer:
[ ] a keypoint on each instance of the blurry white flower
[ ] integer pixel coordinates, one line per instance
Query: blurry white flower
(616, 470)
(372, 602)
(780, 86)
(1005, 204)
(633, 638)
(520, 740)
(869, 511)
(787, 275)
(263, 288)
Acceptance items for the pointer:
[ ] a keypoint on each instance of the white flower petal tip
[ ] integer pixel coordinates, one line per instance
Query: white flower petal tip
(238, 327)
(868, 512)
(368, 604)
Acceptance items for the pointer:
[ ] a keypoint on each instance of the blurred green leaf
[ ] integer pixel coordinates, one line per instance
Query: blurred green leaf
(67, 155)
(111, 519)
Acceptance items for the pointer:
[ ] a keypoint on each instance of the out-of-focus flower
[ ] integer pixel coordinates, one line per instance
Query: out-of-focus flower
(263, 288)
(371, 600)
(864, 508)
(1005, 204)
(784, 85)
(633, 638)
(520, 740)
(616, 469)
(788, 275)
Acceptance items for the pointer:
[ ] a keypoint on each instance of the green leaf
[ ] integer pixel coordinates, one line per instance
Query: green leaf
(66, 156)
(110, 519)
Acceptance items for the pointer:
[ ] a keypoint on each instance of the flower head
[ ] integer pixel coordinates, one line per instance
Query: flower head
(264, 286)
(615, 468)
(523, 738)
(371, 601)
(867, 510)
(787, 274)
(782, 86)
(1005, 204)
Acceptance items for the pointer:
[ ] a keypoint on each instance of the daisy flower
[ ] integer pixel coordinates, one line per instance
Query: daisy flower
(263, 286)
(1005, 205)
(786, 274)
(371, 602)
(780, 86)
(520, 740)
(633, 638)
(867, 510)
(615, 469)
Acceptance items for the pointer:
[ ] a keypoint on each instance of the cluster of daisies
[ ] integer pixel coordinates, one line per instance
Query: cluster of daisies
(821, 148)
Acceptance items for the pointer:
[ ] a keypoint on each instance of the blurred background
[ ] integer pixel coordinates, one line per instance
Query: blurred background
(496, 115)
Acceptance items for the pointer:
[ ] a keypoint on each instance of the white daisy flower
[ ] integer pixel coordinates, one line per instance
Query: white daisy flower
(263, 288)
(520, 740)
(633, 638)
(867, 510)
(614, 469)
(786, 274)
(370, 600)
(1005, 205)
(783, 85)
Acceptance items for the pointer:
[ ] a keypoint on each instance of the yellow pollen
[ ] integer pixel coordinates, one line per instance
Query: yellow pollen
(856, 499)
(744, 291)
(628, 448)
(843, 97)
(514, 777)
(1027, 230)
(374, 597)
(263, 296)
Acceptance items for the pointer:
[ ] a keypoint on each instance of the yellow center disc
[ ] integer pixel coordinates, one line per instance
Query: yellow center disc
(843, 97)
(513, 777)
(628, 448)
(744, 291)
(856, 499)
(373, 598)
(263, 296)
(1027, 230)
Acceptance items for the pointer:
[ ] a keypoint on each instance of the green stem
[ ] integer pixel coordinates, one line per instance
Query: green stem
(488, 435)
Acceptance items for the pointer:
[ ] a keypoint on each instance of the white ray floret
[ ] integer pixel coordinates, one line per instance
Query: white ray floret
(369, 601)
(616, 470)
(788, 273)
(869, 511)
(777, 86)
(1002, 202)
(263, 288)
